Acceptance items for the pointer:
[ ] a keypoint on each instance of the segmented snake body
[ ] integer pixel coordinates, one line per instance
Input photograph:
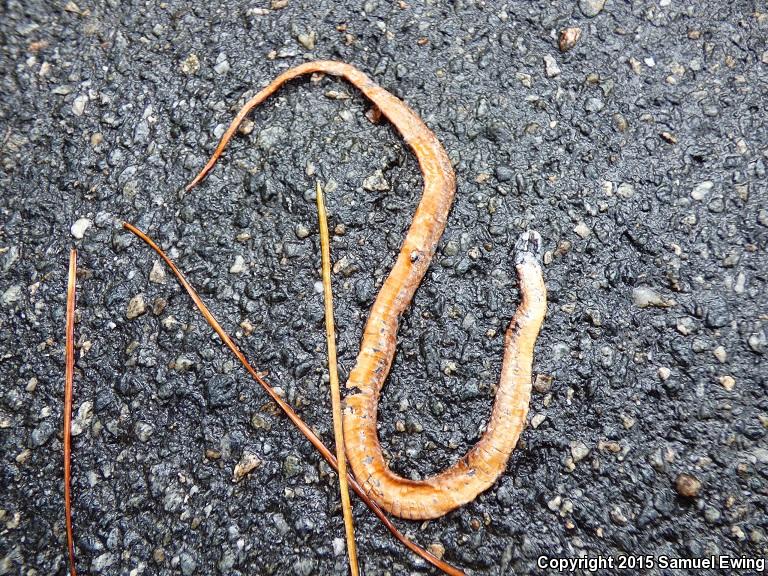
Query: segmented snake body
(481, 466)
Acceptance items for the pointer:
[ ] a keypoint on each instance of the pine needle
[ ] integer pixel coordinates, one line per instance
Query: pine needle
(290, 413)
(69, 372)
(338, 428)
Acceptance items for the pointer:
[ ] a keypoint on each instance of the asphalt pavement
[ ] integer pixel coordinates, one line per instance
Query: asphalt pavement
(638, 152)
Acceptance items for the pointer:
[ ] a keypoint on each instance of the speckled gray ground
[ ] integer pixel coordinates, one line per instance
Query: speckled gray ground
(642, 163)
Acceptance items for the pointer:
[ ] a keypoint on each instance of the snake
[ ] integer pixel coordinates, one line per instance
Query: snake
(476, 471)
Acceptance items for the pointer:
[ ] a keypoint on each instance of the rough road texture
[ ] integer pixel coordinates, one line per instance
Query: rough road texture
(640, 156)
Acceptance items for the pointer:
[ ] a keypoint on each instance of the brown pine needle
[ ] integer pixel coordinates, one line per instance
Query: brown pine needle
(69, 372)
(338, 427)
(292, 416)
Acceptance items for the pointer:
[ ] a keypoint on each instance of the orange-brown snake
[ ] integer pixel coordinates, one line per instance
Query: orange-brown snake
(481, 466)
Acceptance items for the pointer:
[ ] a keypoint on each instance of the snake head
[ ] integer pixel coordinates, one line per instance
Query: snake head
(528, 246)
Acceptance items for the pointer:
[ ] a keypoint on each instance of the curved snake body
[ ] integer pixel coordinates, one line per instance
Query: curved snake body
(481, 466)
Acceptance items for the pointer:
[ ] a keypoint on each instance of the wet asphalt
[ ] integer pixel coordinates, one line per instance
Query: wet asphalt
(639, 155)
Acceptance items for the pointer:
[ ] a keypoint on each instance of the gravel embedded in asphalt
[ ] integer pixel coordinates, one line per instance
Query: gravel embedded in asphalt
(639, 155)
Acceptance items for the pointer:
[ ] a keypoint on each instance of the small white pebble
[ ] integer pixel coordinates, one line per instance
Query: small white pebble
(644, 297)
(338, 546)
(551, 69)
(582, 230)
(308, 40)
(222, 67)
(701, 191)
(625, 190)
(720, 354)
(741, 281)
(157, 274)
(579, 450)
(79, 227)
(12, 294)
(78, 106)
(238, 266)
(628, 421)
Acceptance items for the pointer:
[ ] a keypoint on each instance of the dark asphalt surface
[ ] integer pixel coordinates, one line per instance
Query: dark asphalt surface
(642, 163)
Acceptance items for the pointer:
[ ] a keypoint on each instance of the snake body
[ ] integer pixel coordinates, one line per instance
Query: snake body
(482, 465)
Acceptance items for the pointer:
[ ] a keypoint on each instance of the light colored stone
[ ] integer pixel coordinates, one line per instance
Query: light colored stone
(136, 307)
(525, 79)
(239, 266)
(542, 383)
(591, 8)
(702, 190)
(190, 65)
(437, 549)
(12, 294)
(308, 40)
(376, 182)
(79, 227)
(222, 64)
(339, 547)
(686, 325)
(582, 230)
(551, 69)
(645, 297)
(78, 105)
(727, 382)
(248, 463)
(103, 561)
(579, 450)
(721, 354)
(625, 190)
(157, 274)
(628, 421)
(687, 485)
(143, 431)
(247, 327)
(83, 419)
(182, 364)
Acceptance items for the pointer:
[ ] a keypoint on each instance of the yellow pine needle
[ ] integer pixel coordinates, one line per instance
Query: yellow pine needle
(69, 375)
(338, 429)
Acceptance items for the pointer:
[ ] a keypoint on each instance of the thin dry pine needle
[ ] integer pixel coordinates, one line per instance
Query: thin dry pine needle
(292, 416)
(338, 426)
(69, 372)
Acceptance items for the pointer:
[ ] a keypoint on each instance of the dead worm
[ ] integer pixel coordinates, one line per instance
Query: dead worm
(481, 466)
